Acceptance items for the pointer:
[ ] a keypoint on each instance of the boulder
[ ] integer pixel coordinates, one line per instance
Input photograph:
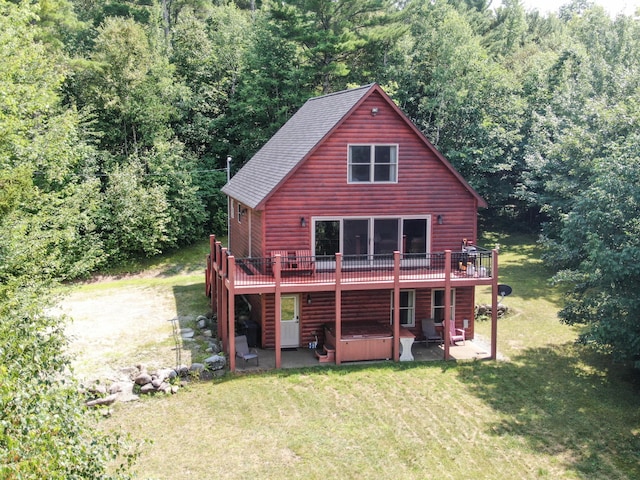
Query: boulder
(156, 382)
(143, 378)
(98, 389)
(148, 388)
(187, 333)
(202, 321)
(215, 362)
(103, 401)
(197, 367)
(164, 388)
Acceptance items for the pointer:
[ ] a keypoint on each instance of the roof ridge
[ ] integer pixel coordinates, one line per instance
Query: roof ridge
(348, 90)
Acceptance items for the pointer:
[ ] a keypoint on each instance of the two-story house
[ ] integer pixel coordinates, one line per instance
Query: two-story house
(349, 225)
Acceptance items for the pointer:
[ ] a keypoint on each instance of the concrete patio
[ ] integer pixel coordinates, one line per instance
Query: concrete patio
(303, 357)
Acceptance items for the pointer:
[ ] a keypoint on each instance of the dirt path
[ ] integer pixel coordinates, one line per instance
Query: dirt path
(119, 325)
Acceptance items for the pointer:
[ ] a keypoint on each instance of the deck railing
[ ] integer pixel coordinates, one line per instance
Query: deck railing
(354, 268)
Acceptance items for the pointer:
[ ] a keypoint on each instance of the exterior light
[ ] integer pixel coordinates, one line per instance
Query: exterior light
(303, 222)
(440, 219)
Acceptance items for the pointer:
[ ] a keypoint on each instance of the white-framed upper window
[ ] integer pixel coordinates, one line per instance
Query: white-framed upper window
(407, 308)
(437, 305)
(242, 211)
(373, 163)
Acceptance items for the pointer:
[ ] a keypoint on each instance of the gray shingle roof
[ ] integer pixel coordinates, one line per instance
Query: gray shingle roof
(290, 145)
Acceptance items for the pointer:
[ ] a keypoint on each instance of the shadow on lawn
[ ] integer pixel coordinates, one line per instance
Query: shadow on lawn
(567, 402)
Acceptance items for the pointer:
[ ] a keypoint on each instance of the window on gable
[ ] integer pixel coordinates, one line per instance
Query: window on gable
(373, 163)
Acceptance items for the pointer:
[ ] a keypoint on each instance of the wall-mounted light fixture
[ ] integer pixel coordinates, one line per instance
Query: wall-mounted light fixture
(303, 222)
(374, 111)
(308, 299)
(440, 219)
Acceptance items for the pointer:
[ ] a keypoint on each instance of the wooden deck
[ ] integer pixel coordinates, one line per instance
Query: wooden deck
(295, 273)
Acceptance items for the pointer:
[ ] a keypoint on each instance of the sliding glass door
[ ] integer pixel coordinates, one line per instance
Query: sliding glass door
(360, 239)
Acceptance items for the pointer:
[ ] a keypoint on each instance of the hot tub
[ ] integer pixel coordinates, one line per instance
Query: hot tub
(362, 341)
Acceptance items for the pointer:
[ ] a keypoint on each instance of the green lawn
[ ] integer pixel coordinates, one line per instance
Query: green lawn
(550, 411)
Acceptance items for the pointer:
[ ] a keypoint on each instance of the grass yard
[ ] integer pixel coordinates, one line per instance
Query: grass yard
(552, 410)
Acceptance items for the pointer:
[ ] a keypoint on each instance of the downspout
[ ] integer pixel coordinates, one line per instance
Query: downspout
(228, 203)
(250, 216)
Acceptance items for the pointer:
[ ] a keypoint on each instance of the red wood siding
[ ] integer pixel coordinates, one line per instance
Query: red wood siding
(370, 306)
(319, 186)
(246, 236)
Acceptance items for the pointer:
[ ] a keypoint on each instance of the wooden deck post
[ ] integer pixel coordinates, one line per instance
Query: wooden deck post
(219, 283)
(494, 305)
(224, 311)
(277, 273)
(447, 304)
(396, 306)
(338, 308)
(232, 313)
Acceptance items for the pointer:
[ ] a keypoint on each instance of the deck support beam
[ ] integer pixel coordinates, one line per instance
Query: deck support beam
(447, 304)
(338, 347)
(494, 306)
(232, 314)
(396, 306)
(277, 272)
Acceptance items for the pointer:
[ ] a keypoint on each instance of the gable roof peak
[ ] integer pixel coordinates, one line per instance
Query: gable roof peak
(301, 135)
(290, 145)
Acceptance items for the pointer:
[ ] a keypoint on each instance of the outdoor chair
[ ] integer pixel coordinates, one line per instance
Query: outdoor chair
(455, 334)
(429, 331)
(242, 350)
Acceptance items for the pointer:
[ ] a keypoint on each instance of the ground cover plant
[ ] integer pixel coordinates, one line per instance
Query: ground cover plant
(551, 409)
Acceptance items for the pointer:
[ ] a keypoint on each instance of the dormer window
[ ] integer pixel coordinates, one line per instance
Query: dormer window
(373, 163)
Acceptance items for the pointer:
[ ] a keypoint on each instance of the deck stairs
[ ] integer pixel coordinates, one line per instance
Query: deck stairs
(327, 354)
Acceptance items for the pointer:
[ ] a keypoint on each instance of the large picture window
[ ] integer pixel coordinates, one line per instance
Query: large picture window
(358, 239)
(373, 163)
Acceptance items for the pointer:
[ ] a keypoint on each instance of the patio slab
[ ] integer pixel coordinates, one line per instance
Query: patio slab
(305, 357)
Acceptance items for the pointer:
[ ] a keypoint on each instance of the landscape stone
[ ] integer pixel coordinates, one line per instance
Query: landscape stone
(187, 333)
(197, 367)
(103, 401)
(164, 387)
(98, 389)
(157, 382)
(148, 388)
(216, 362)
(143, 378)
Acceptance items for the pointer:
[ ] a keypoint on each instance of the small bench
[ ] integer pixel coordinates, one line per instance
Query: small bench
(295, 261)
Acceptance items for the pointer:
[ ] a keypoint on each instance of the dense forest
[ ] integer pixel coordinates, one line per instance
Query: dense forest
(117, 116)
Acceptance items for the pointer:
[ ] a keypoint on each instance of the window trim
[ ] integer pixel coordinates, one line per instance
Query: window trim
(372, 163)
(242, 211)
(411, 316)
(371, 228)
(433, 303)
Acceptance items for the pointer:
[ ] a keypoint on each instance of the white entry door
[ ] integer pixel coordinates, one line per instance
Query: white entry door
(290, 321)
